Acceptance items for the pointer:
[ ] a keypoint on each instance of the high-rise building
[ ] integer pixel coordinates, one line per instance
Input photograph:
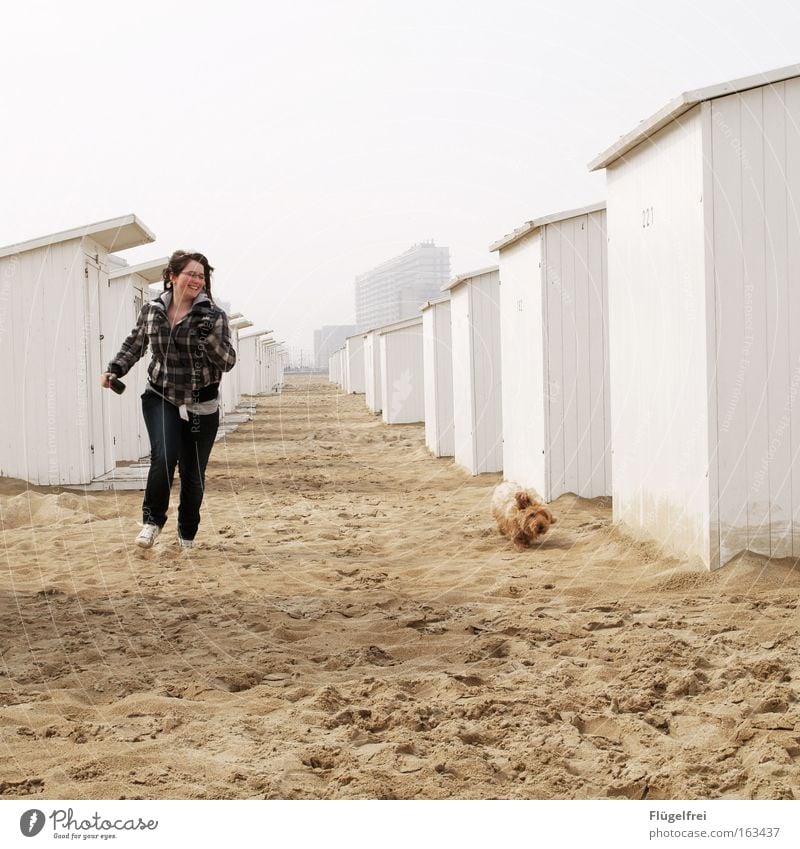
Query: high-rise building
(398, 287)
(328, 339)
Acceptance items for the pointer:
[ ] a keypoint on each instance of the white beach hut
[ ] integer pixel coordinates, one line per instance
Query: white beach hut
(333, 362)
(249, 365)
(127, 289)
(437, 356)
(57, 426)
(402, 392)
(477, 397)
(341, 355)
(273, 360)
(231, 392)
(372, 371)
(703, 265)
(554, 338)
(354, 365)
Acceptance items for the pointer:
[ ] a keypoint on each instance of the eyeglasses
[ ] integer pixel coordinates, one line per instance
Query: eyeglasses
(195, 275)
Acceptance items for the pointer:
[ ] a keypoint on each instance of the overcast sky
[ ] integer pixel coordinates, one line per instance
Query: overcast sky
(299, 144)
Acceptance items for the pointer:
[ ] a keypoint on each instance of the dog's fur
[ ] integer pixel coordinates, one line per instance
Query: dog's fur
(520, 513)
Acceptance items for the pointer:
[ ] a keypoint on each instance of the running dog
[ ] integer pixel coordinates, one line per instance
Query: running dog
(520, 514)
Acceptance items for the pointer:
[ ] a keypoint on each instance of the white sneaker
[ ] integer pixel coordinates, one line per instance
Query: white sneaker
(147, 536)
(185, 543)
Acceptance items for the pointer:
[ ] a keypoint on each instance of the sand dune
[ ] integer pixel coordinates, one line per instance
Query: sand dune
(352, 626)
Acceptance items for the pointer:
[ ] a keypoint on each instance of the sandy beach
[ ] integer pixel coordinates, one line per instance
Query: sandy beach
(351, 625)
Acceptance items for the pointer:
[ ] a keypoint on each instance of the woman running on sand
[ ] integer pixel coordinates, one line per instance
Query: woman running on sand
(191, 347)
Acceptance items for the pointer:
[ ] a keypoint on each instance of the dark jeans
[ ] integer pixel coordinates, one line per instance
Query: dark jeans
(172, 440)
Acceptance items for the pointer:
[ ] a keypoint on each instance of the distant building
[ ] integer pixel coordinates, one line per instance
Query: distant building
(328, 339)
(398, 287)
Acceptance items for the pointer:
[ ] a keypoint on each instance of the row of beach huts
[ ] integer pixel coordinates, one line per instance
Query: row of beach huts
(67, 301)
(645, 348)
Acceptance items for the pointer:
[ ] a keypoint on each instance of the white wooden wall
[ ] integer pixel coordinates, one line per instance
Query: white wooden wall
(121, 302)
(230, 392)
(658, 339)
(477, 381)
(523, 363)
(250, 365)
(438, 379)
(355, 365)
(402, 379)
(372, 371)
(55, 430)
(577, 414)
(755, 281)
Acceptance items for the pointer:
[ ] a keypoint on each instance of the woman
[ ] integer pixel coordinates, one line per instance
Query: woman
(191, 347)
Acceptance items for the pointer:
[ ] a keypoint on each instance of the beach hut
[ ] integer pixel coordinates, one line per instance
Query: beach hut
(333, 362)
(249, 365)
(554, 339)
(340, 366)
(703, 265)
(127, 289)
(402, 394)
(272, 361)
(437, 357)
(230, 389)
(372, 371)
(57, 426)
(475, 341)
(354, 364)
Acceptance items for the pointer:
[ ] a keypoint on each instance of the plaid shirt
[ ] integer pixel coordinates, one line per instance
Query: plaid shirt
(188, 357)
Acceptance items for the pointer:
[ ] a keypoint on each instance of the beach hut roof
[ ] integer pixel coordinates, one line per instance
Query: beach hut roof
(400, 325)
(254, 333)
(530, 226)
(429, 304)
(151, 270)
(683, 103)
(462, 278)
(116, 234)
(238, 322)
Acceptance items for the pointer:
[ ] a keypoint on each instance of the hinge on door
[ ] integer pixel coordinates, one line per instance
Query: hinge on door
(86, 271)
(92, 448)
(114, 439)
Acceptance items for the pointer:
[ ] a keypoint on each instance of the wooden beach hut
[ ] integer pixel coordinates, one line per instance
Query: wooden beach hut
(250, 362)
(477, 396)
(231, 391)
(554, 339)
(703, 264)
(437, 356)
(372, 371)
(57, 428)
(402, 394)
(354, 365)
(127, 289)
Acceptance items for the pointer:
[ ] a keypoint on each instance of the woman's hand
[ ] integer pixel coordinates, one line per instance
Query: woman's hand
(105, 380)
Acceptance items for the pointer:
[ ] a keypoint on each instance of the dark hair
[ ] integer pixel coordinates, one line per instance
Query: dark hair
(178, 261)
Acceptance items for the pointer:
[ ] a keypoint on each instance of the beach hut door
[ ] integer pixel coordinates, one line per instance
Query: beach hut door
(99, 430)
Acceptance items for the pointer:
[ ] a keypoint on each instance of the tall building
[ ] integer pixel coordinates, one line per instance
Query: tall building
(328, 339)
(398, 287)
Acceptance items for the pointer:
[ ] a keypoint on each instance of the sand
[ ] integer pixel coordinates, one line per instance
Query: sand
(351, 625)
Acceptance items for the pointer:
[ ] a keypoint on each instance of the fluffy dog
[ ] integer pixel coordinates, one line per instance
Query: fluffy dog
(520, 513)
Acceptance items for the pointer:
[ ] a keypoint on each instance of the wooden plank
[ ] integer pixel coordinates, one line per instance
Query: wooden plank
(596, 375)
(751, 166)
(792, 104)
(778, 326)
(554, 389)
(583, 352)
(734, 328)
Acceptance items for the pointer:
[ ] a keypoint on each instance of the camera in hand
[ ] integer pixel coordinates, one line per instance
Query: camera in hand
(116, 384)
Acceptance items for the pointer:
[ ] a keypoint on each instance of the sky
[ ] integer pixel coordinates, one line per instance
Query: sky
(298, 145)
